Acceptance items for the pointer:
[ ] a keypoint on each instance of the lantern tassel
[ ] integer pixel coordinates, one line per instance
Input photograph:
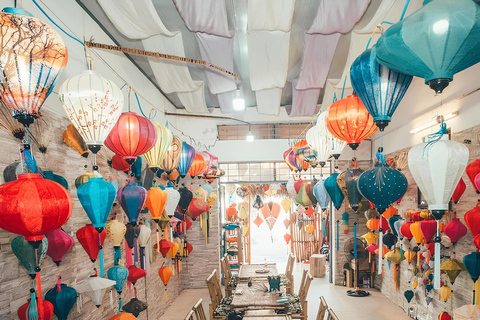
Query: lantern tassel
(39, 288)
(128, 255)
(338, 236)
(135, 250)
(117, 254)
(100, 256)
(436, 276)
(111, 299)
(32, 312)
(158, 241)
(59, 284)
(166, 295)
(380, 251)
(147, 261)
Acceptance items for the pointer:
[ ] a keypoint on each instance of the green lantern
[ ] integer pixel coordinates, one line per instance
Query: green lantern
(28, 256)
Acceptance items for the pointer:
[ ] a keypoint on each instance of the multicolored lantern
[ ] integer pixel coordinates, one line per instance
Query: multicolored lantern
(33, 57)
(304, 152)
(155, 156)
(132, 199)
(379, 88)
(93, 105)
(170, 162)
(132, 135)
(59, 243)
(334, 191)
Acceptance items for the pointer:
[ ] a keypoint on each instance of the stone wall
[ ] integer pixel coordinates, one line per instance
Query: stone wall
(15, 282)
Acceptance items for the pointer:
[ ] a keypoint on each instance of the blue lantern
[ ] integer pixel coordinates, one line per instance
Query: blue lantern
(186, 159)
(97, 197)
(435, 42)
(55, 177)
(334, 191)
(63, 299)
(379, 88)
(382, 186)
(132, 198)
(354, 196)
(391, 223)
(120, 275)
(472, 264)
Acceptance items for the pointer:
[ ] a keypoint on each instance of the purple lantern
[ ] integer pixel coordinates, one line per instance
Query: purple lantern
(132, 198)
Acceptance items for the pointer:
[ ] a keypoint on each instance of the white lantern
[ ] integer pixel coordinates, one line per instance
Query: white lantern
(291, 187)
(436, 166)
(335, 145)
(95, 287)
(173, 197)
(93, 104)
(144, 235)
(319, 143)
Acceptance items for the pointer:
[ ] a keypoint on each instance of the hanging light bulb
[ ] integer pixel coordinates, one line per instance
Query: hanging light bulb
(238, 101)
(250, 136)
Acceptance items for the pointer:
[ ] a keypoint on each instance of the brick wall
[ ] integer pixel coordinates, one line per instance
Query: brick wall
(15, 283)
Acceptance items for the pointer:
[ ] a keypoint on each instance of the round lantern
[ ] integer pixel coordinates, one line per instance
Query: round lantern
(58, 244)
(334, 191)
(472, 170)
(119, 164)
(321, 195)
(351, 111)
(155, 156)
(93, 105)
(379, 88)
(97, 197)
(47, 307)
(382, 185)
(33, 55)
(170, 162)
(198, 167)
(32, 206)
(186, 159)
(131, 136)
(434, 42)
(132, 198)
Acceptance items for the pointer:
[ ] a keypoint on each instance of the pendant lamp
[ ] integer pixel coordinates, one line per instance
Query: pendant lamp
(95, 287)
(354, 196)
(319, 144)
(143, 238)
(170, 162)
(93, 105)
(434, 42)
(33, 55)
(334, 191)
(186, 159)
(290, 160)
(91, 241)
(437, 166)
(349, 120)
(63, 298)
(132, 135)
(119, 274)
(132, 198)
(155, 156)
(379, 88)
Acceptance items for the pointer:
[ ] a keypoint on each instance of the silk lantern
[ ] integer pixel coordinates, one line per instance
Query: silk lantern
(444, 316)
(118, 274)
(472, 263)
(472, 170)
(172, 201)
(170, 162)
(95, 287)
(97, 197)
(83, 178)
(165, 273)
(304, 152)
(455, 230)
(382, 185)
(354, 196)
(452, 268)
(186, 197)
(135, 306)
(59, 243)
(196, 208)
(123, 316)
(352, 111)
(472, 219)
(186, 159)
(119, 164)
(132, 135)
(165, 246)
(74, 140)
(155, 156)
(62, 298)
(33, 57)
(434, 42)
(428, 229)
(321, 194)
(476, 182)
(334, 191)
(132, 199)
(156, 201)
(290, 161)
(93, 104)
(115, 231)
(90, 240)
(459, 190)
(32, 206)
(198, 166)
(55, 177)
(30, 258)
(131, 236)
(143, 238)
(379, 88)
(24, 312)
(134, 274)
(319, 145)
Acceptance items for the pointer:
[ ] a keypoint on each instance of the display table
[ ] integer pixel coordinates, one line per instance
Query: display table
(317, 265)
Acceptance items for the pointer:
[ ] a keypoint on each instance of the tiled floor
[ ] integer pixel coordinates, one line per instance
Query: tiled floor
(374, 307)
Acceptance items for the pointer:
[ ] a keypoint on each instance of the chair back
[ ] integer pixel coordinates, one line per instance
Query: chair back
(302, 294)
(198, 310)
(214, 289)
(290, 263)
(322, 309)
(226, 267)
(189, 316)
(302, 282)
(331, 315)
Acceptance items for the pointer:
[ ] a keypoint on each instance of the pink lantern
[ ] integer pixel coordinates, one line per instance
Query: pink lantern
(58, 244)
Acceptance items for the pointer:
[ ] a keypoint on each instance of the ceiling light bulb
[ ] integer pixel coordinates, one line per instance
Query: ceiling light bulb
(238, 102)
(250, 136)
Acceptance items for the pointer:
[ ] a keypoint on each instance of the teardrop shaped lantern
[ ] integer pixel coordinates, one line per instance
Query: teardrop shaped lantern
(90, 240)
(459, 190)
(93, 105)
(434, 42)
(186, 159)
(304, 152)
(379, 88)
(349, 120)
(115, 231)
(382, 186)
(132, 198)
(33, 55)
(354, 196)
(172, 201)
(472, 170)
(155, 156)
(30, 258)
(59, 243)
(198, 167)
(74, 140)
(186, 197)
(170, 162)
(97, 197)
(334, 191)
(319, 144)
(155, 202)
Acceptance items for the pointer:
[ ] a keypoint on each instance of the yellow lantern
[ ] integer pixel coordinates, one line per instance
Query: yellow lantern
(424, 214)
(417, 232)
(309, 228)
(370, 237)
(201, 194)
(445, 293)
(156, 155)
(414, 284)
(115, 233)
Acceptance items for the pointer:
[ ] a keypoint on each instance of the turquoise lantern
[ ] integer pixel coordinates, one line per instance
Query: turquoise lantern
(380, 88)
(382, 185)
(120, 275)
(354, 196)
(321, 194)
(186, 159)
(55, 177)
(132, 198)
(435, 42)
(472, 263)
(136, 168)
(334, 191)
(63, 299)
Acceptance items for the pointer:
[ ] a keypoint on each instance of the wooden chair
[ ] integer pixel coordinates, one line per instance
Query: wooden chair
(216, 296)
(289, 273)
(198, 310)
(189, 315)
(230, 281)
(331, 315)
(302, 295)
(322, 309)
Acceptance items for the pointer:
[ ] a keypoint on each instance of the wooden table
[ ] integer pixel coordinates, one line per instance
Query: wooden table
(255, 298)
(269, 317)
(247, 271)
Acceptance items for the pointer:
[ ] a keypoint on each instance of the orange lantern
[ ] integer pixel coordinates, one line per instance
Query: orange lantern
(198, 166)
(391, 211)
(165, 273)
(156, 200)
(373, 224)
(417, 232)
(349, 120)
(309, 228)
(287, 238)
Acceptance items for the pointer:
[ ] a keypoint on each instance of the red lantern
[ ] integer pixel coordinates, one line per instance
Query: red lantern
(349, 120)
(58, 244)
(476, 241)
(118, 163)
(472, 170)
(472, 218)
(231, 211)
(196, 208)
(165, 245)
(455, 230)
(405, 230)
(135, 273)
(47, 310)
(384, 224)
(198, 166)
(459, 190)
(429, 229)
(32, 206)
(444, 316)
(297, 185)
(132, 136)
(88, 238)
(188, 223)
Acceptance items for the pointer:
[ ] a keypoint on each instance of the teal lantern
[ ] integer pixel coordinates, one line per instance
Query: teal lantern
(380, 88)
(435, 42)
(120, 275)
(334, 191)
(321, 194)
(63, 299)
(391, 223)
(382, 185)
(409, 294)
(472, 263)
(55, 177)
(28, 256)
(186, 159)
(354, 196)
(132, 198)
(136, 168)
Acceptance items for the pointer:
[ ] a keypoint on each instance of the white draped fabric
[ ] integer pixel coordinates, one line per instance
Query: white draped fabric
(269, 25)
(139, 20)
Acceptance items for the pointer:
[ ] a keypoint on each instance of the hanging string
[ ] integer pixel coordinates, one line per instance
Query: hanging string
(343, 89)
